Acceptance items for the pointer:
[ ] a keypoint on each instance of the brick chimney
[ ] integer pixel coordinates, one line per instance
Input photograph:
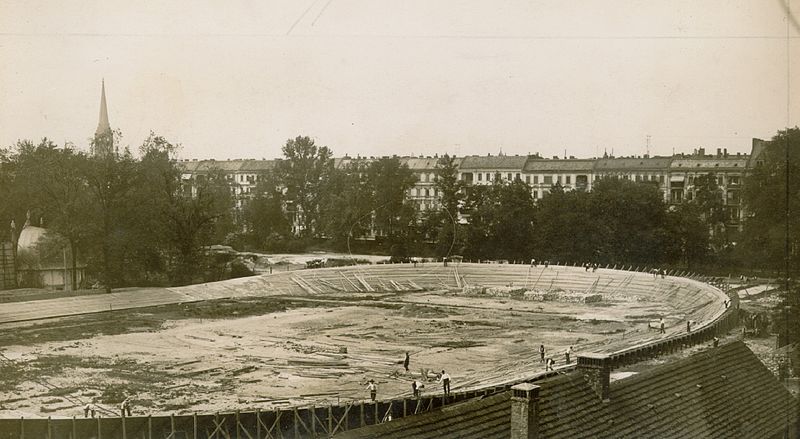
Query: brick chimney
(596, 368)
(525, 411)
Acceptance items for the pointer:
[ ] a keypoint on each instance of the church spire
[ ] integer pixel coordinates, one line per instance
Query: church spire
(103, 144)
(103, 126)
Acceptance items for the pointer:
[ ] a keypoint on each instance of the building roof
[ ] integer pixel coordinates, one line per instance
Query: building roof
(631, 163)
(689, 164)
(254, 166)
(29, 236)
(493, 162)
(420, 163)
(720, 392)
(545, 165)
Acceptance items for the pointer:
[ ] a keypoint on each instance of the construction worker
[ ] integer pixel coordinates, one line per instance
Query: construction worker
(373, 389)
(89, 408)
(416, 387)
(541, 353)
(661, 324)
(125, 407)
(444, 378)
(406, 361)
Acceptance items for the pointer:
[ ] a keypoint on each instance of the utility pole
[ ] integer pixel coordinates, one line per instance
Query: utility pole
(648, 144)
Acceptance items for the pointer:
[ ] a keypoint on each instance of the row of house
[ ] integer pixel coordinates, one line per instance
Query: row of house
(675, 175)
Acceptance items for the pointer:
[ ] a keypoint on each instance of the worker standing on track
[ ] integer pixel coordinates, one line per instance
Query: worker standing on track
(373, 389)
(662, 331)
(445, 380)
(416, 387)
(406, 361)
(541, 353)
(125, 407)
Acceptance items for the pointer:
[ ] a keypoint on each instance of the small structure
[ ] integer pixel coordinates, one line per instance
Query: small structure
(39, 269)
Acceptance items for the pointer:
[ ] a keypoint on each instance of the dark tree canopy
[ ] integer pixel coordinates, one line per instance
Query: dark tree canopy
(304, 172)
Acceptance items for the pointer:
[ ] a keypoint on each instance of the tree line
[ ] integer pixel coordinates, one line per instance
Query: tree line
(134, 221)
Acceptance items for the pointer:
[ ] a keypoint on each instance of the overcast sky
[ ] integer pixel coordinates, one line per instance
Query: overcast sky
(235, 79)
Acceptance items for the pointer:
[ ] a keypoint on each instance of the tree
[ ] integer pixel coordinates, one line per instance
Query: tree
(54, 186)
(501, 221)
(189, 216)
(565, 229)
(771, 197)
(346, 209)
(686, 238)
(304, 172)
(630, 219)
(711, 204)
(394, 217)
(264, 218)
(443, 224)
(111, 178)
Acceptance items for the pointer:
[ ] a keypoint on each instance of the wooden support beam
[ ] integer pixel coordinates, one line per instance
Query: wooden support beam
(313, 421)
(194, 425)
(363, 421)
(74, 429)
(330, 420)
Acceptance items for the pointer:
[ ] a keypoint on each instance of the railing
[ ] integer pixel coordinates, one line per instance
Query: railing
(313, 421)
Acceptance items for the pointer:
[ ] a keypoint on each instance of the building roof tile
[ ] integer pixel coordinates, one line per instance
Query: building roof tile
(493, 162)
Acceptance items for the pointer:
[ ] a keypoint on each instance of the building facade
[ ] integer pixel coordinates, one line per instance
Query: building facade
(674, 176)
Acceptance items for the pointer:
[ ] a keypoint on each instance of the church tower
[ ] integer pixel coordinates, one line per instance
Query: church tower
(103, 143)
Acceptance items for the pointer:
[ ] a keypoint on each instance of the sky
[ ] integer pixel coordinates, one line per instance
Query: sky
(236, 79)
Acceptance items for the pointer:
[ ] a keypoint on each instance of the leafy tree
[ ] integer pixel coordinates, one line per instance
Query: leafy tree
(111, 179)
(630, 219)
(189, 215)
(565, 228)
(686, 239)
(264, 218)
(443, 224)
(49, 182)
(395, 218)
(771, 196)
(304, 172)
(501, 221)
(711, 204)
(346, 209)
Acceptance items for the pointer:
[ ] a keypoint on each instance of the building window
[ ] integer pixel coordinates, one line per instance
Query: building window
(423, 178)
(427, 193)
(528, 179)
(558, 179)
(509, 176)
(413, 192)
(568, 179)
(535, 179)
(518, 176)
(480, 176)
(548, 179)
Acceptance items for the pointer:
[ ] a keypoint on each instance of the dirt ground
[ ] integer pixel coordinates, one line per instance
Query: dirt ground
(275, 352)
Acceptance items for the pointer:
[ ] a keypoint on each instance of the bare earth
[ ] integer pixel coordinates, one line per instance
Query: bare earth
(300, 351)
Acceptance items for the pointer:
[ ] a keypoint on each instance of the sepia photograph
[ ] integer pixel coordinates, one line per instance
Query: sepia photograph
(427, 219)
